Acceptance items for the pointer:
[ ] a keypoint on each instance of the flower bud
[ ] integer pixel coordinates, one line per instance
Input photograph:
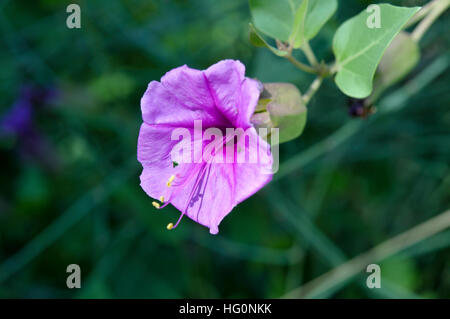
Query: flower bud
(281, 106)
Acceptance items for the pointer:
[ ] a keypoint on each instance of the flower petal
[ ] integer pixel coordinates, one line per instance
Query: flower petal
(210, 198)
(182, 97)
(154, 152)
(250, 96)
(234, 95)
(251, 177)
(218, 187)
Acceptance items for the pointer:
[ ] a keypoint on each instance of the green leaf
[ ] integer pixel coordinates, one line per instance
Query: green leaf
(297, 36)
(319, 12)
(284, 110)
(288, 19)
(358, 48)
(257, 40)
(400, 58)
(274, 18)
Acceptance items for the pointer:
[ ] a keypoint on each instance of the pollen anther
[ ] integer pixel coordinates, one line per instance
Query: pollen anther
(169, 226)
(169, 182)
(161, 199)
(156, 205)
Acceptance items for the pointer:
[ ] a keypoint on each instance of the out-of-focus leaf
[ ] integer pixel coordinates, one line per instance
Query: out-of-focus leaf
(285, 111)
(319, 12)
(257, 40)
(274, 18)
(297, 36)
(400, 57)
(287, 20)
(359, 48)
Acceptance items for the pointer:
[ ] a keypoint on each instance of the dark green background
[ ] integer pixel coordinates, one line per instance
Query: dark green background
(86, 207)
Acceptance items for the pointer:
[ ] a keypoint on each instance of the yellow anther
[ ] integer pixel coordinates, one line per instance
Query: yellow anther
(169, 182)
(161, 199)
(169, 226)
(155, 204)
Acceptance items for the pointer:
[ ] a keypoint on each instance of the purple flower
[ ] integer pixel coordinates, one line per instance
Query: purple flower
(18, 122)
(19, 119)
(204, 188)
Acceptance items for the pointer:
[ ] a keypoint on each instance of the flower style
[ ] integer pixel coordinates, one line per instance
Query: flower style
(205, 188)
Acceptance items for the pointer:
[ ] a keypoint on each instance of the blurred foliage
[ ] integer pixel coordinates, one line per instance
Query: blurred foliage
(70, 193)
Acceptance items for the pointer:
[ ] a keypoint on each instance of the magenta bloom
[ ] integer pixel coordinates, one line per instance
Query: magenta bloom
(204, 188)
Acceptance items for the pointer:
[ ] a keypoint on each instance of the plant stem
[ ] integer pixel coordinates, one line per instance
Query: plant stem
(315, 85)
(300, 65)
(384, 250)
(309, 54)
(333, 68)
(423, 26)
(421, 14)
